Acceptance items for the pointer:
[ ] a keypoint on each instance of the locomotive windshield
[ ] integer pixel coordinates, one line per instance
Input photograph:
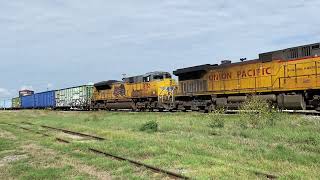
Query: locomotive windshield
(162, 76)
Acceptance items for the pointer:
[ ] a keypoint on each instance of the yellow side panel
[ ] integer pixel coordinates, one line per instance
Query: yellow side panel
(241, 78)
(301, 74)
(125, 91)
(258, 77)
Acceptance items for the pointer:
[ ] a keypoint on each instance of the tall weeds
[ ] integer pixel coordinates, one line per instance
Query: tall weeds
(257, 113)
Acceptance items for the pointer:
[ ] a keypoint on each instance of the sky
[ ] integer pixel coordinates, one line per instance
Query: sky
(52, 44)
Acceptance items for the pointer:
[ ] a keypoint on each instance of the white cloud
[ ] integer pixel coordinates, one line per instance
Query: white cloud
(73, 42)
(4, 93)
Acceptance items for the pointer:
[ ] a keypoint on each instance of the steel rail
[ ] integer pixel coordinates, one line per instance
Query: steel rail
(137, 163)
(269, 176)
(37, 132)
(155, 169)
(73, 132)
(27, 129)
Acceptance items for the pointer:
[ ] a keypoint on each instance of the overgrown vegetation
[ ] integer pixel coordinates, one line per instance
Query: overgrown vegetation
(217, 119)
(257, 113)
(151, 126)
(200, 146)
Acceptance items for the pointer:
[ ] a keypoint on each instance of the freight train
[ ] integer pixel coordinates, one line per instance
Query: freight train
(287, 78)
(78, 98)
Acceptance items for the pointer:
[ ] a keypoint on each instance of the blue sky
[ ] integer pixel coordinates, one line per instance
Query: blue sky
(51, 44)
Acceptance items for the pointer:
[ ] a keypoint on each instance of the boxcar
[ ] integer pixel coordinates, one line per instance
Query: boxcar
(44, 100)
(27, 102)
(74, 98)
(16, 103)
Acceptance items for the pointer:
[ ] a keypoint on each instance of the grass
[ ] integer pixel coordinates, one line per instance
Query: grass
(200, 146)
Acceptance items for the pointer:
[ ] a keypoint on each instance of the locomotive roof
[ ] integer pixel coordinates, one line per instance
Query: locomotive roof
(313, 44)
(155, 73)
(86, 85)
(207, 67)
(140, 78)
(105, 83)
(150, 73)
(284, 54)
(203, 67)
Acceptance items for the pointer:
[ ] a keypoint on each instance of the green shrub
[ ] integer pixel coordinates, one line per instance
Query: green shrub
(217, 119)
(257, 113)
(151, 126)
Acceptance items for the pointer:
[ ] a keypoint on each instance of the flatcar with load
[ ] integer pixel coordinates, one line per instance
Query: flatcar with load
(288, 78)
(144, 92)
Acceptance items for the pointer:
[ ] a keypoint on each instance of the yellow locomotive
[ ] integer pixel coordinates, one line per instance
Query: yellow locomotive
(288, 78)
(150, 91)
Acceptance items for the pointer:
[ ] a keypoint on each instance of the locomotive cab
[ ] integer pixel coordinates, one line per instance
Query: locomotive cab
(156, 76)
(148, 77)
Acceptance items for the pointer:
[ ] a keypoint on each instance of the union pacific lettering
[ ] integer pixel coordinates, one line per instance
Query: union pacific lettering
(220, 76)
(254, 72)
(246, 73)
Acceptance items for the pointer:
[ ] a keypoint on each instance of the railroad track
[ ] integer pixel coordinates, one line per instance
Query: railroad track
(100, 152)
(68, 131)
(116, 157)
(74, 133)
(302, 112)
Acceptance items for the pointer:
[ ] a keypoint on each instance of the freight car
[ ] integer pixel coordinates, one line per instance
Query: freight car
(78, 98)
(43, 100)
(16, 103)
(144, 92)
(288, 78)
(27, 102)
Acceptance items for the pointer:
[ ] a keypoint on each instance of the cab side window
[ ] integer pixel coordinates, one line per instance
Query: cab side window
(158, 77)
(146, 79)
